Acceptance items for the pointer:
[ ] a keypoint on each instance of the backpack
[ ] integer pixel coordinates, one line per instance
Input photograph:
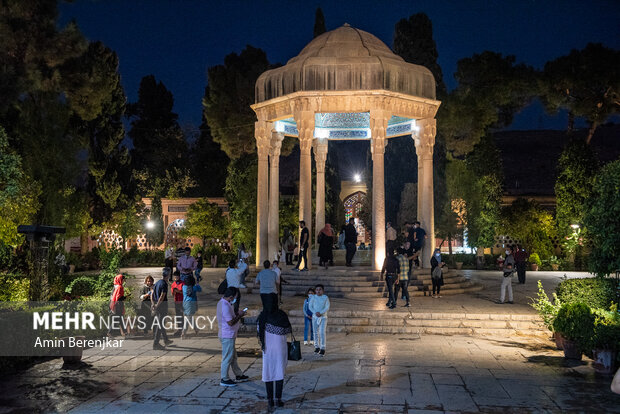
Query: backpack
(436, 274)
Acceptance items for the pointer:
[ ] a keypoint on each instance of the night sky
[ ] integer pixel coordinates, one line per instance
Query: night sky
(178, 40)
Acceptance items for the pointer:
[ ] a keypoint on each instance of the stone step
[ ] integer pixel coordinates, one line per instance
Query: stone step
(444, 323)
(398, 321)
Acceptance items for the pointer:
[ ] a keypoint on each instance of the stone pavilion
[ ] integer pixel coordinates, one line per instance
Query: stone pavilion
(347, 85)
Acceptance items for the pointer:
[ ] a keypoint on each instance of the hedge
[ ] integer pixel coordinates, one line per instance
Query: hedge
(595, 292)
(82, 286)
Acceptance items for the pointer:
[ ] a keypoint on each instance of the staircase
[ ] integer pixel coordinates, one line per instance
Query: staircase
(398, 322)
(364, 282)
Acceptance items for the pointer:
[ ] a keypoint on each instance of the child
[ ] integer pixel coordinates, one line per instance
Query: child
(319, 305)
(177, 293)
(308, 318)
(190, 304)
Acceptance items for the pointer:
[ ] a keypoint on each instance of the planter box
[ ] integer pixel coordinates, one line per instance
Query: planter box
(555, 267)
(604, 361)
(72, 355)
(534, 267)
(559, 340)
(571, 350)
(459, 265)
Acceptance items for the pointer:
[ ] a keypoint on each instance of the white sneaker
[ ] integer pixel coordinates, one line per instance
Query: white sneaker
(311, 342)
(305, 342)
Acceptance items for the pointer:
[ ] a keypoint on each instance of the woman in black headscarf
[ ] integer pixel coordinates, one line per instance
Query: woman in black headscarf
(273, 327)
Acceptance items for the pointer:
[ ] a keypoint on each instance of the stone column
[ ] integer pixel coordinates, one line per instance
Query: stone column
(378, 125)
(320, 157)
(305, 126)
(262, 133)
(274, 194)
(424, 144)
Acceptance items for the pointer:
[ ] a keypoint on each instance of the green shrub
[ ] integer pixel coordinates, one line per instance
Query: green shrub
(535, 259)
(82, 286)
(14, 287)
(197, 248)
(224, 258)
(575, 321)
(594, 292)
(547, 310)
(606, 332)
(213, 250)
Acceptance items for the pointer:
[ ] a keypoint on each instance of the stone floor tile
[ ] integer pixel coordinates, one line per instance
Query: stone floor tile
(456, 397)
(447, 379)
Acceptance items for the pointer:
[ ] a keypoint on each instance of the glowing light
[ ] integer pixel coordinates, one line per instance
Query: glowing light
(574, 226)
(150, 225)
(321, 133)
(278, 126)
(357, 178)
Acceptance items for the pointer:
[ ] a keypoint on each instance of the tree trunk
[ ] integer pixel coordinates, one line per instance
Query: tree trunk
(450, 244)
(571, 123)
(591, 131)
(83, 243)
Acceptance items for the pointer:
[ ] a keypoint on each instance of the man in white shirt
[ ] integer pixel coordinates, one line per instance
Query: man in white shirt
(233, 279)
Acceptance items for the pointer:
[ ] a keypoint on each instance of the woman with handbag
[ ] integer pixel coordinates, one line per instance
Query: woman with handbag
(273, 327)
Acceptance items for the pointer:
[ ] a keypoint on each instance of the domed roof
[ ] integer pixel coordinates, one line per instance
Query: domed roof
(346, 59)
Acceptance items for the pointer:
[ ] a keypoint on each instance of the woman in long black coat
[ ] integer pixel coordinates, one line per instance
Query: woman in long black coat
(326, 244)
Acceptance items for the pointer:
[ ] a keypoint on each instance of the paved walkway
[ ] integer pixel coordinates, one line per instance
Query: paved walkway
(360, 373)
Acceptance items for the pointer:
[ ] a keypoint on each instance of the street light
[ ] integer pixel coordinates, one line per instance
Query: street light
(574, 226)
(357, 178)
(150, 225)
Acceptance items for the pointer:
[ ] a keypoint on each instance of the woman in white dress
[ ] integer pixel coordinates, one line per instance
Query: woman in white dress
(273, 327)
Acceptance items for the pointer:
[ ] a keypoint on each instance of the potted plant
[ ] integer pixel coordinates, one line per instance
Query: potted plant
(535, 261)
(548, 311)
(554, 262)
(605, 340)
(575, 321)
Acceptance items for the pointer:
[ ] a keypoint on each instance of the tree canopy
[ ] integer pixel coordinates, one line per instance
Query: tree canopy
(602, 221)
(586, 83)
(319, 23)
(577, 168)
(205, 220)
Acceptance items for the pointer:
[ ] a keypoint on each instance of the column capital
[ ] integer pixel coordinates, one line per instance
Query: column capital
(378, 126)
(262, 133)
(320, 154)
(424, 137)
(276, 144)
(305, 126)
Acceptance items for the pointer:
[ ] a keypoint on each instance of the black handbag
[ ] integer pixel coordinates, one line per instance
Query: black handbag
(294, 349)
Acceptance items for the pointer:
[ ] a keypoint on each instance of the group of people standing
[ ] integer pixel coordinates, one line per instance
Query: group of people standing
(326, 239)
(273, 327)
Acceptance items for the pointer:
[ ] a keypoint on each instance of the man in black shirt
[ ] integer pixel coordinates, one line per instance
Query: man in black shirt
(419, 235)
(350, 240)
(391, 268)
(304, 242)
